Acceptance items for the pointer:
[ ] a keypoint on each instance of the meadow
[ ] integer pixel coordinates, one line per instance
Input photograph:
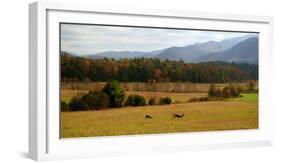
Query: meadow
(232, 114)
(199, 116)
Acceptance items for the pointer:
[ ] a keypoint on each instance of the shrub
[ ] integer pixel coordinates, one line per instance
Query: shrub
(152, 101)
(135, 100)
(212, 90)
(218, 93)
(115, 93)
(76, 104)
(226, 92)
(64, 106)
(89, 101)
(165, 101)
(251, 85)
(235, 91)
(95, 100)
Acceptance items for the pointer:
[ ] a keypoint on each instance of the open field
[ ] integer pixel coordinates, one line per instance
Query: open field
(199, 116)
(230, 114)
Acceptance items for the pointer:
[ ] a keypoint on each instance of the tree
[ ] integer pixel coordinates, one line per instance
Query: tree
(115, 93)
(157, 74)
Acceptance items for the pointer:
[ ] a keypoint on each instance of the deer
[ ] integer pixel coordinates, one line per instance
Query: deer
(178, 115)
(148, 117)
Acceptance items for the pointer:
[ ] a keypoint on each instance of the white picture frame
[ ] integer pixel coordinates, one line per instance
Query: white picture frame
(44, 140)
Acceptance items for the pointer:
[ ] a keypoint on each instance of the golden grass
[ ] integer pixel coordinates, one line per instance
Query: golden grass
(200, 116)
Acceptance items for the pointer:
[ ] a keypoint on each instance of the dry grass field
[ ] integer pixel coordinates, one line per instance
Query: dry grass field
(231, 114)
(234, 114)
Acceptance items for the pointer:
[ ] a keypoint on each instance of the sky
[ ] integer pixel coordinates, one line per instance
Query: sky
(91, 39)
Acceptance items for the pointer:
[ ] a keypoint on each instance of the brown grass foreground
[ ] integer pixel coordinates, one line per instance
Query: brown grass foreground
(203, 116)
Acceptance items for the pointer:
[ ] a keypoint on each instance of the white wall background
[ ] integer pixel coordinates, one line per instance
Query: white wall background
(14, 81)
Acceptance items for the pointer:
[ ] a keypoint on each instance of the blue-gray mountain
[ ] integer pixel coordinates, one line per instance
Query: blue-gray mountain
(195, 52)
(239, 49)
(245, 51)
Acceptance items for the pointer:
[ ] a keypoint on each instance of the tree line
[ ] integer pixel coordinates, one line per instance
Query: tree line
(79, 69)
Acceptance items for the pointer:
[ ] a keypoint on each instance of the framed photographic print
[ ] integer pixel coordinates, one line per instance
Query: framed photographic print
(110, 81)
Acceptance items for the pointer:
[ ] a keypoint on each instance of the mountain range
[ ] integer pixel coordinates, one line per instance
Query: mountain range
(238, 49)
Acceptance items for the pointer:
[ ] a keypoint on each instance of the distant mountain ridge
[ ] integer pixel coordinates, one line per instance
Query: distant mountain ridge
(245, 51)
(225, 50)
(125, 54)
(192, 53)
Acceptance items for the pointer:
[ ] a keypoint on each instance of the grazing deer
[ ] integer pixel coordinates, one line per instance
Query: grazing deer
(148, 117)
(178, 115)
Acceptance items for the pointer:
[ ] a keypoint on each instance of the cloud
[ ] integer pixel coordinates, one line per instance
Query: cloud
(89, 39)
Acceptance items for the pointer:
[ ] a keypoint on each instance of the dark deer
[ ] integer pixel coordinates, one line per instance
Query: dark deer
(148, 117)
(178, 115)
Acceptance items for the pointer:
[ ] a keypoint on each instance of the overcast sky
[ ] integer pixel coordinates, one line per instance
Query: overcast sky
(90, 39)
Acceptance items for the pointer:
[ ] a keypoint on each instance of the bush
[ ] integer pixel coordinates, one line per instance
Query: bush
(152, 101)
(226, 92)
(76, 104)
(218, 93)
(95, 100)
(89, 101)
(64, 106)
(212, 90)
(235, 91)
(251, 85)
(165, 101)
(135, 100)
(115, 93)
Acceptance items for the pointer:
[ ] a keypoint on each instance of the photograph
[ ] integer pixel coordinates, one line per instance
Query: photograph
(118, 80)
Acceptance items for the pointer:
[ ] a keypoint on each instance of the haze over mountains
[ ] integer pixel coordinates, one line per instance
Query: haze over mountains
(238, 49)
